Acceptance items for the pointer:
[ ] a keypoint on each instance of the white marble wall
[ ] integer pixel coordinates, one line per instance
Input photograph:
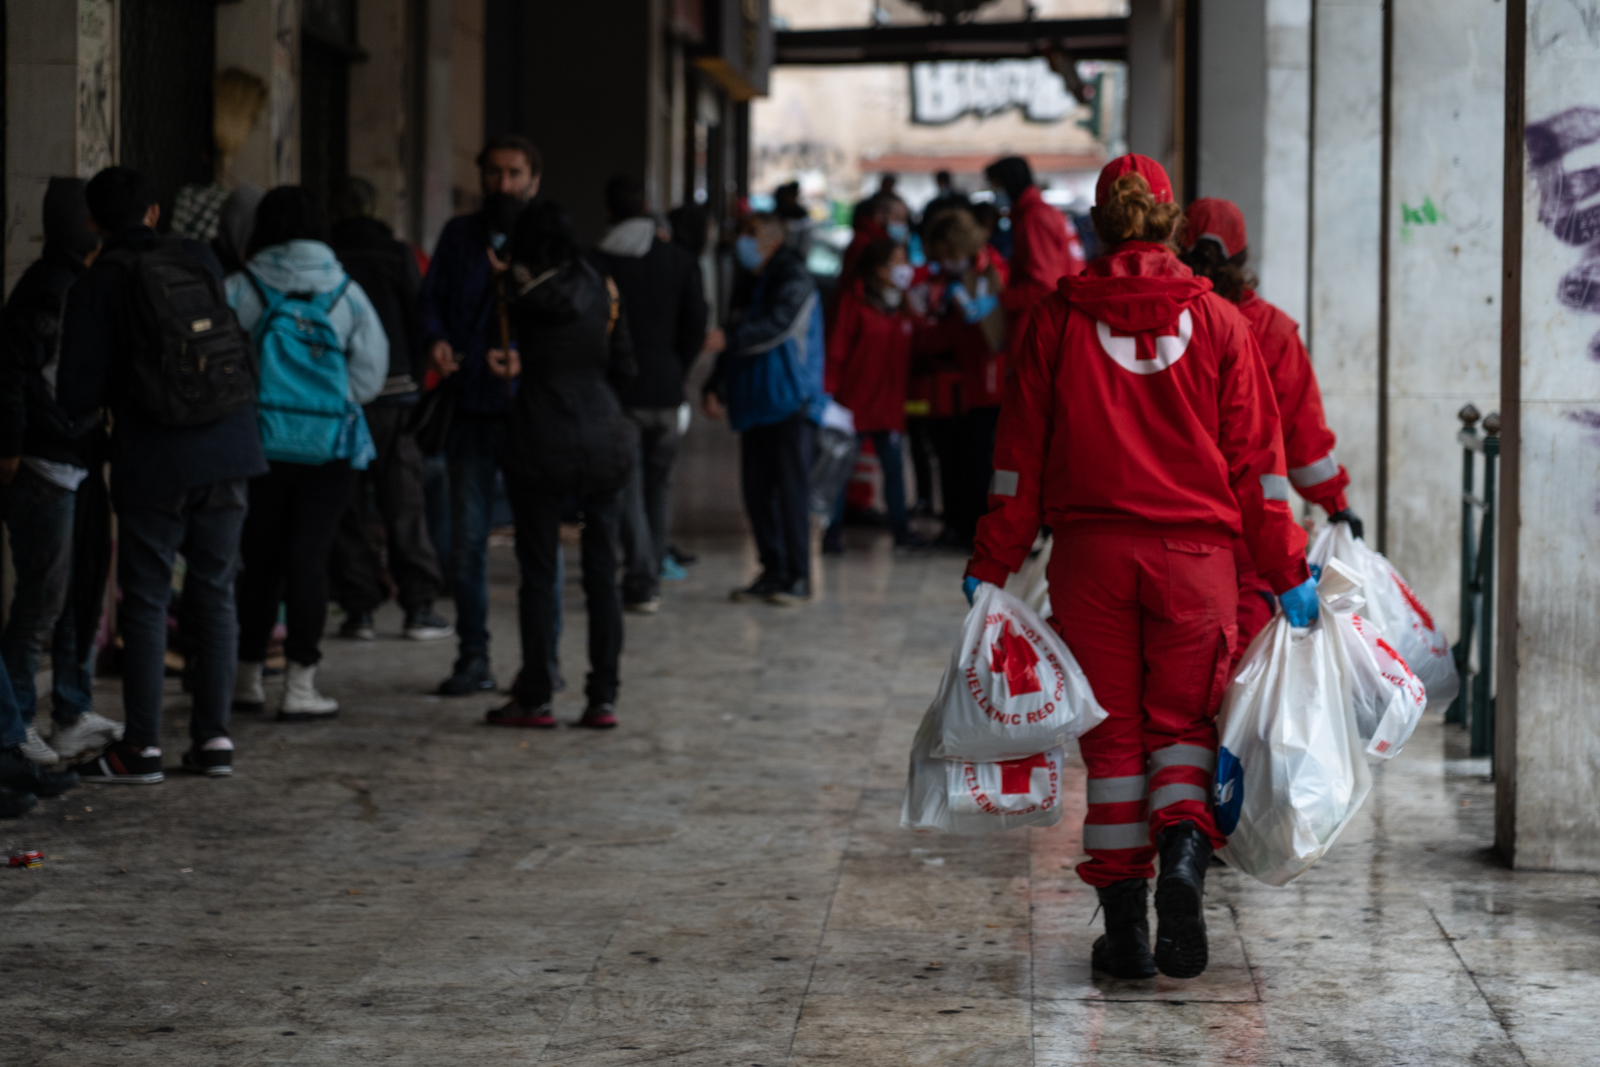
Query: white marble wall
(1341, 327)
(1548, 733)
(1280, 243)
(1444, 272)
(380, 109)
(61, 109)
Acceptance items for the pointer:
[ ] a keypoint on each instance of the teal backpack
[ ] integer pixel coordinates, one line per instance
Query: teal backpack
(304, 405)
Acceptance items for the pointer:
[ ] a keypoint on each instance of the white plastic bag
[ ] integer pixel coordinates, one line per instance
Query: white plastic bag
(1291, 768)
(980, 798)
(1031, 584)
(1011, 689)
(1395, 610)
(833, 460)
(1387, 698)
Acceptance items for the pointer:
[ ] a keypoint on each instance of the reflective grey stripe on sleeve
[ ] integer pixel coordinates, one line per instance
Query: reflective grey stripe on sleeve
(1116, 790)
(1171, 794)
(1183, 756)
(1116, 835)
(1314, 473)
(1004, 483)
(1275, 487)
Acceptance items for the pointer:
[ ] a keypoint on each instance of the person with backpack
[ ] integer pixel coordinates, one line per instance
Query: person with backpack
(323, 354)
(1139, 424)
(184, 444)
(387, 272)
(567, 438)
(666, 310)
(768, 382)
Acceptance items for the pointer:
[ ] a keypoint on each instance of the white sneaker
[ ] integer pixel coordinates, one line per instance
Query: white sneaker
(88, 736)
(248, 694)
(301, 701)
(35, 749)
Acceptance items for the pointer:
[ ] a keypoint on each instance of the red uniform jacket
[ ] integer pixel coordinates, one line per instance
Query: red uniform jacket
(1141, 404)
(1307, 441)
(869, 361)
(1044, 250)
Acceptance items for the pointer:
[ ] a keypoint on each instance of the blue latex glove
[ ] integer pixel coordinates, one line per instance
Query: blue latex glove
(980, 307)
(969, 586)
(1300, 603)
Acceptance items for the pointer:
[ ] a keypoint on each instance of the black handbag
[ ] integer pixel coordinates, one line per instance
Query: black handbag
(431, 420)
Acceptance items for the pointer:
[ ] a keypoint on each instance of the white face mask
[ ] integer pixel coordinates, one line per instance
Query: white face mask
(900, 275)
(891, 298)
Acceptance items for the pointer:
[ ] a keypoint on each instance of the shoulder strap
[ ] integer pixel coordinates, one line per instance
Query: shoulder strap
(802, 322)
(271, 302)
(338, 295)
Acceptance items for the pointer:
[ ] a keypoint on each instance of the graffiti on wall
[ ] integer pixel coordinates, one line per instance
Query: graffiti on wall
(97, 86)
(1569, 200)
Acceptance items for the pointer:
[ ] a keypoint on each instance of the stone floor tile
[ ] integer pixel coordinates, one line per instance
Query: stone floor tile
(934, 1014)
(844, 1048)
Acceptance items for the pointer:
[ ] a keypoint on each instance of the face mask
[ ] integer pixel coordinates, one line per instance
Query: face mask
(957, 266)
(898, 231)
(748, 252)
(900, 275)
(891, 298)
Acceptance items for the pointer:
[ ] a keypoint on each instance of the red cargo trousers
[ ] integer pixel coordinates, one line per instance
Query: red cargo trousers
(1152, 621)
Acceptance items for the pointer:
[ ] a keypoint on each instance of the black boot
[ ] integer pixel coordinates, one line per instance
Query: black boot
(1123, 951)
(1181, 949)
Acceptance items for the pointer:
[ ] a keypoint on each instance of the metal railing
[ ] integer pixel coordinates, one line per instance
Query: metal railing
(1473, 707)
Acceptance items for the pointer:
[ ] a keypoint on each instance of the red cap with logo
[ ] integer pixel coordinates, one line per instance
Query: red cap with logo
(1145, 167)
(1220, 220)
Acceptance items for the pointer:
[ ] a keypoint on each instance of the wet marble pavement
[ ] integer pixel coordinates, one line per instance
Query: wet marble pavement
(723, 883)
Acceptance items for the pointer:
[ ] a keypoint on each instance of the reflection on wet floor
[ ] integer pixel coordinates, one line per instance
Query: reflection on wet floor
(724, 882)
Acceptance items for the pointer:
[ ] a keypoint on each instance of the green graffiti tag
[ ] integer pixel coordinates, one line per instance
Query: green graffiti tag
(1426, 215)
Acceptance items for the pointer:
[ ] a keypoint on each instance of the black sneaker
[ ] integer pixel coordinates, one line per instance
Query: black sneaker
(422, 624)
(470, 676)
(19, 773)
(357, 626)
(122, 764)
(15, 802)
(788, 594)
(758, 591)
(211, 762)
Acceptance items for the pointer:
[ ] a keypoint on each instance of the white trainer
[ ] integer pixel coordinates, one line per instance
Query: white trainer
(35, 749)
(248, 693)
(86, 737)
(301, 701)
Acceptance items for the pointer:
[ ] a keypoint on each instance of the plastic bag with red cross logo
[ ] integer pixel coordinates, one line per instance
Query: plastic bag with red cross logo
(1395, 610)
(1388, 699)
(980, 798)
(1012, 688)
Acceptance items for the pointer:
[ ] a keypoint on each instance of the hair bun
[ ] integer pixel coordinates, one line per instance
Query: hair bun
(1130, 213)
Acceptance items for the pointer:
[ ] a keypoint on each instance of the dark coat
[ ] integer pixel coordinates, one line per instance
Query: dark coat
(31, 422)
(387, 271)
(567, 432)
(150, 463)
(666, 310)
(458, 306)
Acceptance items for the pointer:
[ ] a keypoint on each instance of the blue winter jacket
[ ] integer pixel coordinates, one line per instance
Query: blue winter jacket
(772, 366)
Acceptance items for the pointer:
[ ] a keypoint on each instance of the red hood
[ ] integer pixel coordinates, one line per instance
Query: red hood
(1136, 289)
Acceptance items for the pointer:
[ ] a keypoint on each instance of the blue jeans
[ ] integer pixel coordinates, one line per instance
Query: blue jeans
(475, 451)
(13, 731)
(886, 443)
(204, 523)
(39, 516)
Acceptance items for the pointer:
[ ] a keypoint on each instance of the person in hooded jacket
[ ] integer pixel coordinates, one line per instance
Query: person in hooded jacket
(661, 296)
(234, 223)
(566, 437)
(1215, 248)
(1140, 425)
(869, 364)
(295, 507)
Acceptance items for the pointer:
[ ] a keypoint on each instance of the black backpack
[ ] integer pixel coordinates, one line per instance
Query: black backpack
(191, 363)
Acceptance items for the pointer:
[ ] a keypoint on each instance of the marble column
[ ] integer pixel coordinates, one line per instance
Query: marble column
(1547, 734)
(263, 38)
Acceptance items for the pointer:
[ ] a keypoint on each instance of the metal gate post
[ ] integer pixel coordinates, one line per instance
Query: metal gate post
(1456, 712)
(1482, 721)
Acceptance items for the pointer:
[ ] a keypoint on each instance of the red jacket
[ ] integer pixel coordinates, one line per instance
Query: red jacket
(865, 234)
(1044, 250)
(1140, 404)
(1307, 441)
(869, 362)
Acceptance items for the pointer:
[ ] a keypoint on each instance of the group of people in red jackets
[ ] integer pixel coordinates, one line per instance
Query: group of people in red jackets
(1152, 412)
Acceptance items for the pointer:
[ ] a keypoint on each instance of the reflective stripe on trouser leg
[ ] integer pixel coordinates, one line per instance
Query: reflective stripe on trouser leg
(1180, 784)
(1168, 795)
(1113, 836)
(1116, 790)
(1113, 803)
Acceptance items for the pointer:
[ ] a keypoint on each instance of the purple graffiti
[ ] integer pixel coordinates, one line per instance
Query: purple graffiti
(1568, 204)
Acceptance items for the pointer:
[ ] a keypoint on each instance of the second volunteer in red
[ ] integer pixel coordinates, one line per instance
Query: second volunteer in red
(1215, 248)
(1139, 424)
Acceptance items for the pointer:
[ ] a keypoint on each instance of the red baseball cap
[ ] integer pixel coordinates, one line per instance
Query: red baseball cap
(1145, 167)
(1220, 220)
